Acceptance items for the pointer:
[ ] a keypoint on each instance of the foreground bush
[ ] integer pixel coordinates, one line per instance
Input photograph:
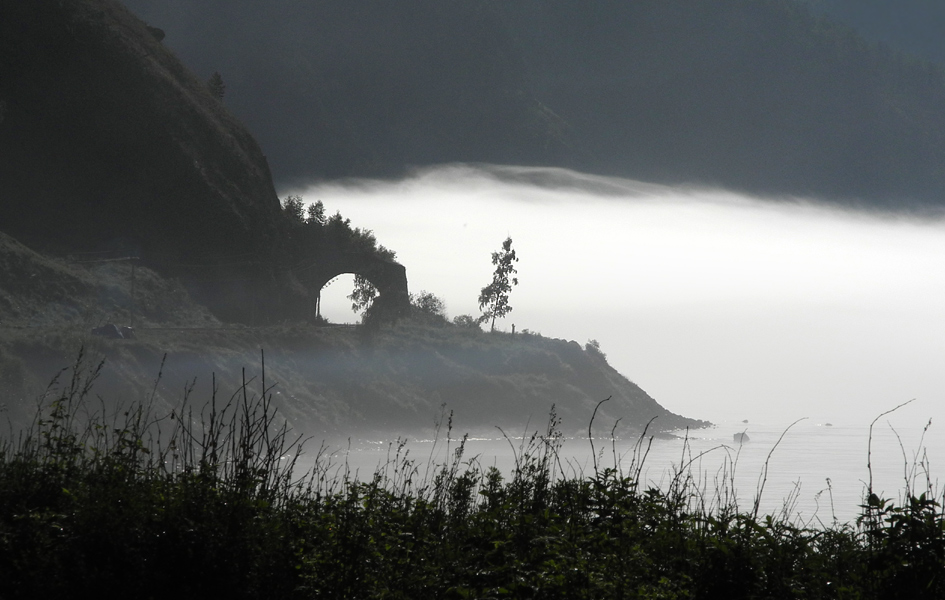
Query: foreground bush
(207, 504)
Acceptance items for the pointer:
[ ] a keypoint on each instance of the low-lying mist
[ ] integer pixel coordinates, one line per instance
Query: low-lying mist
(721, 306)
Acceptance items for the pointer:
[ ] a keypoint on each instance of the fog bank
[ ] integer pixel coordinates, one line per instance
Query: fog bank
(719, 305)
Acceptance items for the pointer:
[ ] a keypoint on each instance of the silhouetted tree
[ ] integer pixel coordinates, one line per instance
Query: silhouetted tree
(293, 207)
(592, 347)
(364, 292)
(494, 298)
(467, 321)
(428, 305)
(316, 213)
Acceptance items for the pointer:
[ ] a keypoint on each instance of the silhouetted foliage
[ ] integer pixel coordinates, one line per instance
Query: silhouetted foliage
(466, 321)
(316, 213)
(362, 295)
(294, 209)
(494, 298)
(592, 347)
(310, 232)
(364, 292)
(428, 308)
(311, 235)
(428, 303)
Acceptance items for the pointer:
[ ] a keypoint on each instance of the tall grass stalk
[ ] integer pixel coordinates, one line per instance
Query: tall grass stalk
(208, 501)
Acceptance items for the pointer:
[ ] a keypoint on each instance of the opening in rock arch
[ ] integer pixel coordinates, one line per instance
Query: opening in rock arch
(335, 305)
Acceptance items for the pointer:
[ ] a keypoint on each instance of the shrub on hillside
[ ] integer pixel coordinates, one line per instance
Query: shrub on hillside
(466, 321)
(428, 306)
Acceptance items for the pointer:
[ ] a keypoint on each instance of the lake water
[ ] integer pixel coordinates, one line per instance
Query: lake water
(808, 456)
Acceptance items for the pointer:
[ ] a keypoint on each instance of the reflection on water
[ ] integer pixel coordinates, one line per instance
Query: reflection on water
(820, 470)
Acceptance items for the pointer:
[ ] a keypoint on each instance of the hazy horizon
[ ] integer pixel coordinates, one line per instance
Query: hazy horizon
(717, 304)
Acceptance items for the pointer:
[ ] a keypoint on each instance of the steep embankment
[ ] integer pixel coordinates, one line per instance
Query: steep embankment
(110, 143)
(81, 292)
(336, 382)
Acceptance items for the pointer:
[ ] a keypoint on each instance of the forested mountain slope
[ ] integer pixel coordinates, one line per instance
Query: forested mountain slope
(338, 88)
(912, 26)
(109, 144)
(751, 94)
(758, 95)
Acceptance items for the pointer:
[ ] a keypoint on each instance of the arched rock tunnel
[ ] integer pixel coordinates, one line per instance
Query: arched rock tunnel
(389, 277)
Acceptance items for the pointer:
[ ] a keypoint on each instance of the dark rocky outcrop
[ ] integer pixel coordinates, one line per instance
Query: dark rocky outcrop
(109, 143)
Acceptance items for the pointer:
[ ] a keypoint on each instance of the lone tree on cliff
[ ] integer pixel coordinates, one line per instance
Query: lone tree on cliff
(494, 298)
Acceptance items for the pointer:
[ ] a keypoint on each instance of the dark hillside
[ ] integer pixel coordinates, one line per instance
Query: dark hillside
(365, 87)
(757, 95)
(46, 293)
(752, 94)
(109, 143)
(912, 26)
(333, 383)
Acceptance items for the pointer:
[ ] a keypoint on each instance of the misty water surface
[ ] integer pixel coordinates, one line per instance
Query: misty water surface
(816, 472)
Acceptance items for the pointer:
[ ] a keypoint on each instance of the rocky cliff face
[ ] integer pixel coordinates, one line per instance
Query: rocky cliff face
(107, 142)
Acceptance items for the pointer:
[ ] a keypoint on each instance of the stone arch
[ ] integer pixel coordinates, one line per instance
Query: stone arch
(389, 277)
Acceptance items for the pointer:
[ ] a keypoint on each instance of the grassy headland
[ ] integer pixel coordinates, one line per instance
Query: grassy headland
(330, 381)
(337, 382)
